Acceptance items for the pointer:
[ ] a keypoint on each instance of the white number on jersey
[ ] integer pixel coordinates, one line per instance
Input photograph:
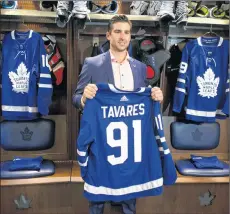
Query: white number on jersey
(183, 67)
(123, 141)
(45, 62)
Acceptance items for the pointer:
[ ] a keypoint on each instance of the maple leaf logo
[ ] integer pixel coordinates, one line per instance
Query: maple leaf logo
(27, 134)
(197, 135)
(207, 199)
(22, 202)
(20, 80)
(208, 85)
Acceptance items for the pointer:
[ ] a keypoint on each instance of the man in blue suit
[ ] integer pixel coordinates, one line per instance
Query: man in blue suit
(118, 68)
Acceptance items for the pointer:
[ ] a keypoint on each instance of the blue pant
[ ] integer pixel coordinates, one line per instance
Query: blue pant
(128, 207)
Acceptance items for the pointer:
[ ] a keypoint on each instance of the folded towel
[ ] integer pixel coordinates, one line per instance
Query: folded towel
(20, 163)
(206, 162)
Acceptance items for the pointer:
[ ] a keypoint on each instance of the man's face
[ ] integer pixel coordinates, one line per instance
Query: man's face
(119, 36)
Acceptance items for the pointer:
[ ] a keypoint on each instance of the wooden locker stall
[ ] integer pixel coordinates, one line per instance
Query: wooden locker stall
(62, 193)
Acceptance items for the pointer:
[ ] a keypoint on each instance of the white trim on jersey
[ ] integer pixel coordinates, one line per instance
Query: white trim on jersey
(13, 34)
(180, 80)
(45, 75)
(219, 111)
(220, 41)
(181, 90)
(166, 151)
(85, 163)
(162, 139)
(113, 89)
(45, 85)
(20, 108)
(80, 153)
(123, 191)
(201, 113)
(30, 35)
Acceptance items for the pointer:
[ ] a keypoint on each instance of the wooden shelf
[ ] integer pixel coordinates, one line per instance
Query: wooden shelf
(76, 173)
(207, 21)
(30, 13)
(181, 179)
(105, 17)
(62, 175)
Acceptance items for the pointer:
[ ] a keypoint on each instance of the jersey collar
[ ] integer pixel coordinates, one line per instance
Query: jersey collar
(13, 34)
(219, 44)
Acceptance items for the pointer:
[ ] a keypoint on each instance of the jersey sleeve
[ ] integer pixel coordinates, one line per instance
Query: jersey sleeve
(85, 137)
(181, 85)
(45, 88)
(1, 65)
(168, 166)
(227, 100)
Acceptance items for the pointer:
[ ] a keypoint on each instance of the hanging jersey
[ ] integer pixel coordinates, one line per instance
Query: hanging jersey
(203, 80)
(26, 79)
(121, 146)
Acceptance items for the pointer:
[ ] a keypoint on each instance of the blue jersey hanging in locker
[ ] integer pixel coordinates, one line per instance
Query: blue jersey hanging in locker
(203, 81)
(26, 80)
(121, 146)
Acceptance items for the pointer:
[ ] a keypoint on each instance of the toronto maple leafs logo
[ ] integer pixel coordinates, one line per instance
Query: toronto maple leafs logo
(197, 135)
(27, 134)
(22, 202)
(208, 85)
(20, 80)
(207, 199)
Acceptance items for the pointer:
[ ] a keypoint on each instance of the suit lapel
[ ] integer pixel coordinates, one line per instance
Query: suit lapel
(134, 71)
(107, 67)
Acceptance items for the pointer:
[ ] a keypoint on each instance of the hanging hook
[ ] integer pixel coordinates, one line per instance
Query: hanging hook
(211, 29)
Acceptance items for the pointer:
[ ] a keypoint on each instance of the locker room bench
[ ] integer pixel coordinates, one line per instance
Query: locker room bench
(51, 194)
(62, 174)
(70, 172)
(62, 193)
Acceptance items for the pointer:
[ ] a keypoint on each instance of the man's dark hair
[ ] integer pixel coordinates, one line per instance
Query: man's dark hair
(118, 18)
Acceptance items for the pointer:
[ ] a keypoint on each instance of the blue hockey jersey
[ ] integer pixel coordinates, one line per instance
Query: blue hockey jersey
(26, 80)
(121, 146)
(203, 81)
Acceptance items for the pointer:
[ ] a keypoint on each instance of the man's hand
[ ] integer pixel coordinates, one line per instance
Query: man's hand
(89, 93)
(157, 94)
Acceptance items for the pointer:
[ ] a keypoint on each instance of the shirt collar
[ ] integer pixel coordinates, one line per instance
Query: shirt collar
(114, 60)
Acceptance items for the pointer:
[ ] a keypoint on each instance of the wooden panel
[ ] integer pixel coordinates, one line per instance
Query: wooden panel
(62, 175)
(221, 151)
(71, 83)
(57, 152)
(184, 199)
(76, 174)
(177, 199)
(68, 199)
(46, 199)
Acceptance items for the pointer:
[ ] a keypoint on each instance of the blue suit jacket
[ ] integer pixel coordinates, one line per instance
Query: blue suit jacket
(98, 69)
